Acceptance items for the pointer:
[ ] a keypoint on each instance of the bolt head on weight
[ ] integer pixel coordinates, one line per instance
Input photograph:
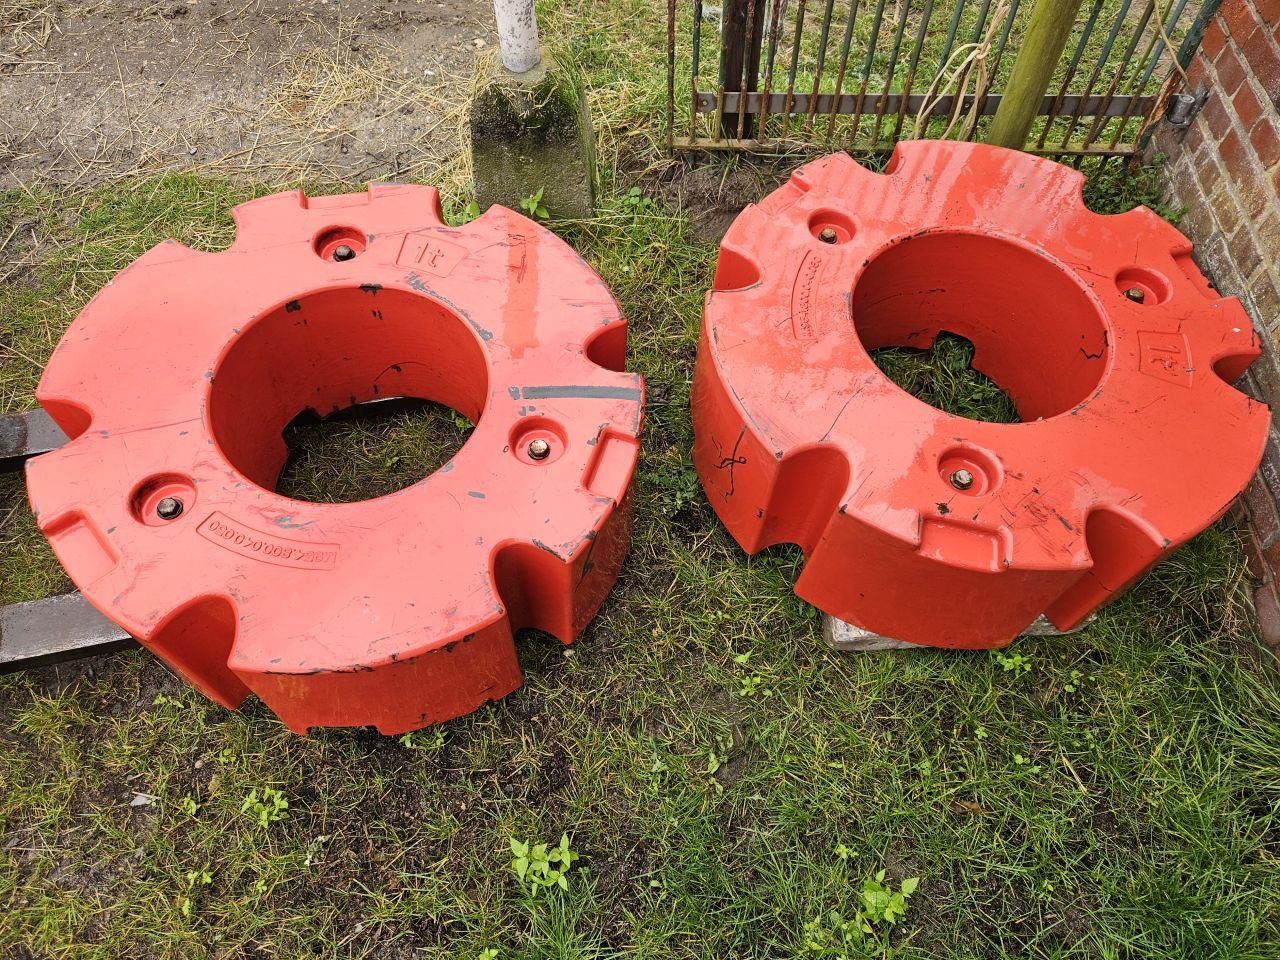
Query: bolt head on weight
(539, 449)
(827, 235)
(343, 253)
(169, 508)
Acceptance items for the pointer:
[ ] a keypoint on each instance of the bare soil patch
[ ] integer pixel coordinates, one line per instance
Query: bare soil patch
(275, 90)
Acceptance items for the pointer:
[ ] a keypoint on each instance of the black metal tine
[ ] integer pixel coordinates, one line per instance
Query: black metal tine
(867, 63)
(822, 61)
(985, 92)
(775, 28)
(749, 26)
(1004, 34)
(925, 17)
(1170, 25)
(1103, 57)
(882, 102)
(980, 27)
(1149, 57)
(1100, 115)
(952, 28)
(671, 76)
(1086, 33)
(1127, 113)
(791, 73)
(844, 63)
(697, 59)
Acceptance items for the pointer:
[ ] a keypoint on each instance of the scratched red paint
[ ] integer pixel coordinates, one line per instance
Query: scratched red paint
(1132, 440)
(397, 612)
(520, 311)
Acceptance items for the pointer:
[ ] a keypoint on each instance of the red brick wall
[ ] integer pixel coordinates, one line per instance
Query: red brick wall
(1224, 170)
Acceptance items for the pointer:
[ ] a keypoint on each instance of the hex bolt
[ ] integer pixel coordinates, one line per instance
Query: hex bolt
(961, 479)
(343, 252)
(827, 235)
(539, 449)
(1135, 294)
(170, 508)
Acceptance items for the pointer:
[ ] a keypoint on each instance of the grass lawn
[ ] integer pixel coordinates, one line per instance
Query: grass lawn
(732, 787)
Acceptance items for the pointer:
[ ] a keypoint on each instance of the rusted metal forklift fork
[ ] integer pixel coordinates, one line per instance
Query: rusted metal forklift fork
(54, 629)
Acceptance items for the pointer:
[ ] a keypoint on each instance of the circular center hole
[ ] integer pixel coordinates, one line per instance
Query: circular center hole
(943, 377)
(1021, 326)
(369, 450)
(348, 393)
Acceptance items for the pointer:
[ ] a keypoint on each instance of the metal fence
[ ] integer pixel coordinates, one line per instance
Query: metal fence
(860, 75)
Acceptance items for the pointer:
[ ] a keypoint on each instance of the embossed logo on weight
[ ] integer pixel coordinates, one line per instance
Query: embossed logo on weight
(1165, 356)
(256, 545)
(432, 253)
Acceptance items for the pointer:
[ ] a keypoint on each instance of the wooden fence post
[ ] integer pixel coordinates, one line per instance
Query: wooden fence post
(1047, 33)
(742, 34)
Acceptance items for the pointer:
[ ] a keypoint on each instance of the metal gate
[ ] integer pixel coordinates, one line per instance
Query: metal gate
(859, 75)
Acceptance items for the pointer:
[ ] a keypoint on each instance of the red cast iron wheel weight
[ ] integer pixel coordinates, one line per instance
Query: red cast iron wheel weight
(176, 381)
(932, 528)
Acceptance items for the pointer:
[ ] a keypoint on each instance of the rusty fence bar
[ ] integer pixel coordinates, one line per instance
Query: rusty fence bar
(863, 74)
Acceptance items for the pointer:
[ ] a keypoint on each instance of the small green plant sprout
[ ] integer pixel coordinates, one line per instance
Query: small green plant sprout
(225, 755)
(844, 853)
(540, 867)
(752, 685)
(636, 201)
(1014, 663)
(188, 805)
(469, 212)
(1076, 681)
(196, 879)
(488, 953)
(680, 488)
(266, 806)
(835, 937)
(717, 757)
(880, 903)
(1021, 761)
(980, 732)
(424, 740)
(532, 205)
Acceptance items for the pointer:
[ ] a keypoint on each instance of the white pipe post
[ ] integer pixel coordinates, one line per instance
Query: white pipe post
(517, 34)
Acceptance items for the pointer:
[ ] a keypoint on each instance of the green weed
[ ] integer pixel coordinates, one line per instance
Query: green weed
(539, 866)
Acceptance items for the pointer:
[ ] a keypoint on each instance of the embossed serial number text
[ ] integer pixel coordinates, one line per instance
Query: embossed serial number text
(236, 537)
